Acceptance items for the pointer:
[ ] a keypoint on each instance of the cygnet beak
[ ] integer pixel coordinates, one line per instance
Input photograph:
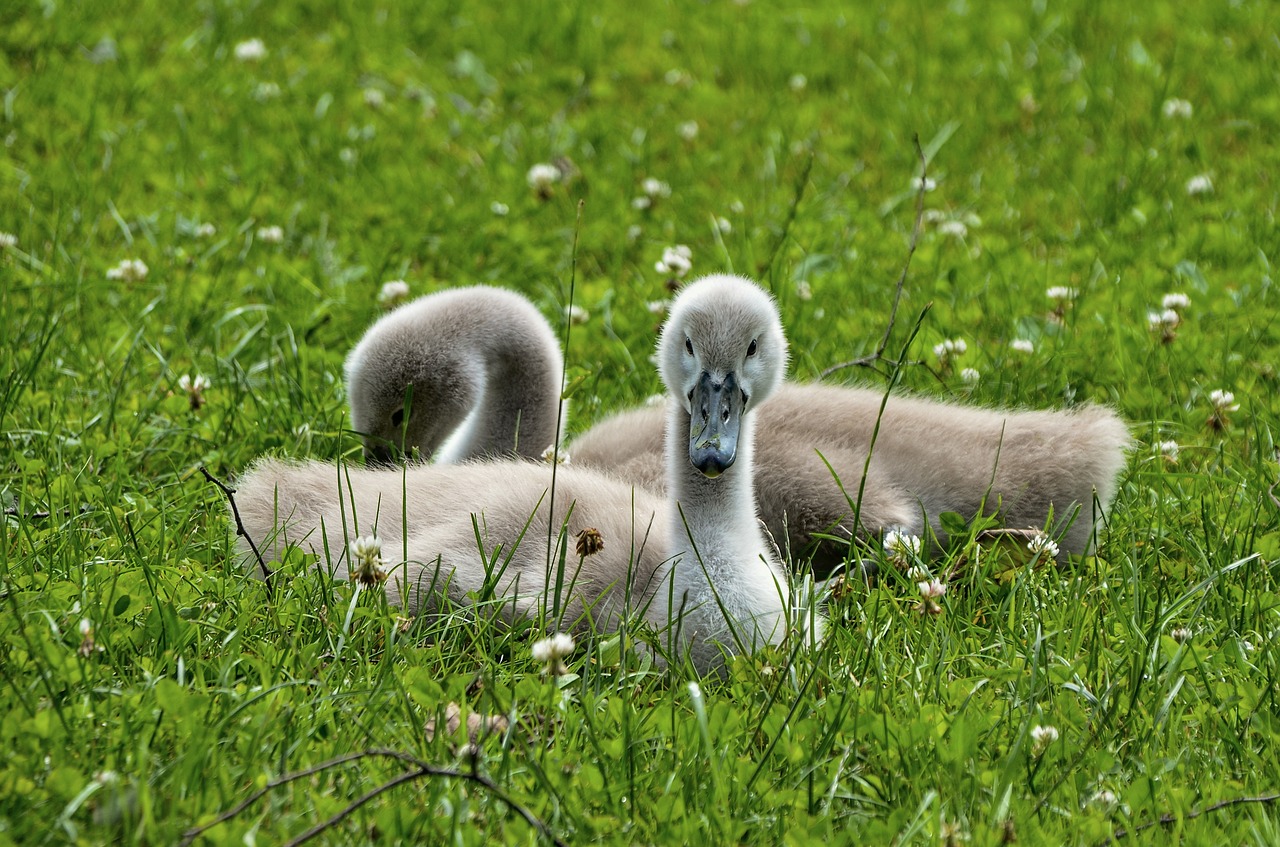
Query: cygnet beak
(379, 455)
(716, 417)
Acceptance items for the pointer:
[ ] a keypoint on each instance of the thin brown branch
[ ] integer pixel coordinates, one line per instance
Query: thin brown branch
(420, 769)
(350, 809)
(230, 494)
(870, 361)
(1167, 819)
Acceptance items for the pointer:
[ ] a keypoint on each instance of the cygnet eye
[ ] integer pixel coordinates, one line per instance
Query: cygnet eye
(688, 345)
(751, 349)
(397, 418)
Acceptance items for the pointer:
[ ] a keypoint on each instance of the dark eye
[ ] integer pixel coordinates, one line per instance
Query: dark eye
(397, 417)
(688, 345)
(751, 350)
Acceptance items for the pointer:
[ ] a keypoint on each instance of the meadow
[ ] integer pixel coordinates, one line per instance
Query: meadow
(200, 204)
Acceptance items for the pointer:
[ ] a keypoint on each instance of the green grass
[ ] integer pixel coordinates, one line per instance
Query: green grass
(1045, 130)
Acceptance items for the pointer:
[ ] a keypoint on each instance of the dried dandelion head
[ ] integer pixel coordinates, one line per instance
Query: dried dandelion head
(590, 542)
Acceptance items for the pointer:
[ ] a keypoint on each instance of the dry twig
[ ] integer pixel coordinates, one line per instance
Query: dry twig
(418, 770)
(1166, 819)
(240, 530)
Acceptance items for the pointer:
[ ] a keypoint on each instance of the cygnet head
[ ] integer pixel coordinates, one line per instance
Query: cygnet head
(722, 352)
(405, 387)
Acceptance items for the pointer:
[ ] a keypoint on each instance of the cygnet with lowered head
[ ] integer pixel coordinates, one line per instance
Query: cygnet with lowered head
(694, 563)
(468, 373)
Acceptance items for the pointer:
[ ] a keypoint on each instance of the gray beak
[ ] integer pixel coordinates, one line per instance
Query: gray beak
(716, 417)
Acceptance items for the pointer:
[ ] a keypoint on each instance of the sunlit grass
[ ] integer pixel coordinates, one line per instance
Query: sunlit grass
(149, 683)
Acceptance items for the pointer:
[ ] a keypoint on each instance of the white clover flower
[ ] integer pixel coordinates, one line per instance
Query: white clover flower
(970, 376)
(803, 290)
(252, 50)
(550, 455)
(264, 91)
(1176, 108)
(576, 314)
(542, 177)
(1164, 321)
(365, 561)
(655, 188)
(688, 130)
(798, 82)
(87, 645)
(918, 574)
(348, 156)
(737, 207)
(657, 307)
(1223, 401)
(675, 76)
(1168, 449)
(7, 240)
(374, 98)
(956, 229)
(949, 348)
(932, 589)
(923, 183)
(1200, 184)
(393, 293)
(901, 546)
(1181, 634)
(1061, 293)
(1022, 345)
(1042, 544)
(270, 234)
(641, 203)
(552, 652)
(206, 230)
(1042, 737)
(129, 270)
(499, 209)
(194, 388)
(1176, 301)
(1103, 797)
(723, 225)
(676, 261)
(634, 232)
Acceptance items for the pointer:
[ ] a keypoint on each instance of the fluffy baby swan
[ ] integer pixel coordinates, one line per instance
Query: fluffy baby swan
(480, 369)
(695, 564)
